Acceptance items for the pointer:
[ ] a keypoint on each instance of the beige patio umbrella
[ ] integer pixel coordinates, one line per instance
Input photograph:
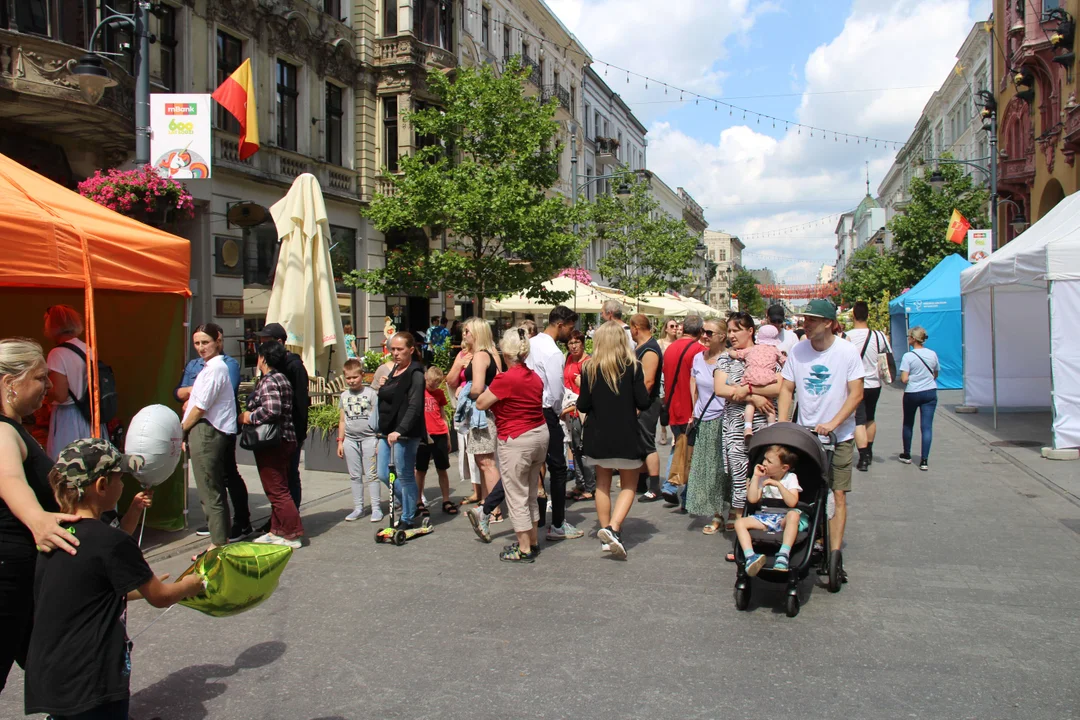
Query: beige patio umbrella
(669, 304)
(584, 298)
(630, 305)
(304, 298)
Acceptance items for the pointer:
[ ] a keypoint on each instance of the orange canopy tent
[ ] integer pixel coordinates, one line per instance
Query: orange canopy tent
(132, 280)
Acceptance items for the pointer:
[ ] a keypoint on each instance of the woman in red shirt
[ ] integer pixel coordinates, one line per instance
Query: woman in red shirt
(516, 396)
(584, 477)
(574, 360)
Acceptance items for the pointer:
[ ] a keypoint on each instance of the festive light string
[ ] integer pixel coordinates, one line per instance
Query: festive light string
(787, 230)
(769, 255)
(716, 103)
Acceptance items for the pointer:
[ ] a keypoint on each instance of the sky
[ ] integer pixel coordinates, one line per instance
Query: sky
(865, 67)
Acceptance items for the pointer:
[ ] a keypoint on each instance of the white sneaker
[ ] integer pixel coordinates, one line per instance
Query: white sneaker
(566, 531)
(354, 515)
(294, 544)
(377, 515)
(604, 547)
(267, 539)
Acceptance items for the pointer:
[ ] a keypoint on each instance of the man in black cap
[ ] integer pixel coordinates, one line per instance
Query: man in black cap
(298, 378)
(787, 338)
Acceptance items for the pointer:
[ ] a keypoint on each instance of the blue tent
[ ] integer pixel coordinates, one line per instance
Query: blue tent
(934, 304)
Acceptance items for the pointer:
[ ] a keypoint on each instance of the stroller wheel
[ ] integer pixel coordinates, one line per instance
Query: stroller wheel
(836, 570)
(742, 594)
(792, 606)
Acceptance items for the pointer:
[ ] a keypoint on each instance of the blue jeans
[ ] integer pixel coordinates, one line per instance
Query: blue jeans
(666, 487)
(925, 402)
(405, 491)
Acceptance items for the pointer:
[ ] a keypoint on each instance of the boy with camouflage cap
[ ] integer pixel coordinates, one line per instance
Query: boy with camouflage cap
(79, 657)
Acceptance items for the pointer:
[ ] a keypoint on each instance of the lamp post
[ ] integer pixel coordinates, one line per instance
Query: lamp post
(93, 77)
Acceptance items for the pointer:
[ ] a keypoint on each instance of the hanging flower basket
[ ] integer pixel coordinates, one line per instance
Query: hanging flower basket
(580, 274)
(141, 194)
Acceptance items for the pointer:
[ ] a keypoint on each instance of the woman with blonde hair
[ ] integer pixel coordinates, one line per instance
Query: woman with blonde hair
(67, 373)
(516, 397)
(480, 372)
(919, 369)
(668, 335)
(29, 515)
(612, 393)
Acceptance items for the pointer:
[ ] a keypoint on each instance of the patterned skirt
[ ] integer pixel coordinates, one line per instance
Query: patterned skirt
(705, 492)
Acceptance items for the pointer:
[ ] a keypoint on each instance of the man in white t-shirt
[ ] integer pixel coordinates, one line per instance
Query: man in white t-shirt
(787, 338)
(829, 375)
(871, 344)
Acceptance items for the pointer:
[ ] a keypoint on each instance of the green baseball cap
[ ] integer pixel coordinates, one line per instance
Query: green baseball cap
(820, 308)
(84, 461)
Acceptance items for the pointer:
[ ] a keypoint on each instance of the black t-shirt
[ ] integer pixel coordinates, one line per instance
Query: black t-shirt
(79, 653)
(298, 378)
(651, 345)
(16, 540)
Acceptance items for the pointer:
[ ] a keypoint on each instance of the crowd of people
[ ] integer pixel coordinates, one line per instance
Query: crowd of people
(530, 418)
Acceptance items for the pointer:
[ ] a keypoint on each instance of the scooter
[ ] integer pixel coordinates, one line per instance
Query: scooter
(393, 534)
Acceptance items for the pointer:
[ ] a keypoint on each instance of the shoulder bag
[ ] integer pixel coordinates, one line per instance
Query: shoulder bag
(665, 415)
(261, 437)
(932, 371)
(886, 363)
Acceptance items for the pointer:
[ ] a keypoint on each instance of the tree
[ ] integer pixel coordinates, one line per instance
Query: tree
(647, 251)
(869, 274)
(482, 176)
(919, 232)
(744, 287)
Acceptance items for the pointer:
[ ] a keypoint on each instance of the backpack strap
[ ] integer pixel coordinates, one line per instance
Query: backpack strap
(83, 405)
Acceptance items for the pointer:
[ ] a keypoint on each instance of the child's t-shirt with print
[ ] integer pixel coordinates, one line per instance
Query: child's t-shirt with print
(434, 401)
(358, 406)
(790, 481)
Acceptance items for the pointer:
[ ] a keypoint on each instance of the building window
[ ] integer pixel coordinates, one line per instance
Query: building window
(390, 12)
(332, 8)
(588, 185)
(390, 134)
(230, 53)
(540, 65)
(433, 22)
(260, 255)
(506, 43)
(32, 16)
(596, 124)
(573, 100)
(721, 255)
(342, 262)
(287, 93)
(485, 26)
(167, 44)
(587, 114)
(555, 77)
(335, 116)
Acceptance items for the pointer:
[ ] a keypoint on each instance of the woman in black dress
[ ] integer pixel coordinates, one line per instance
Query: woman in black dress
(29, 521)
(612, 394)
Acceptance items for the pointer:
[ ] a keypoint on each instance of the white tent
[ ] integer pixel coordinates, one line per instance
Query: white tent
(1021, 347)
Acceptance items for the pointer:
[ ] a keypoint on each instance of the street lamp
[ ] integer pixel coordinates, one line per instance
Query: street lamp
(93, 77)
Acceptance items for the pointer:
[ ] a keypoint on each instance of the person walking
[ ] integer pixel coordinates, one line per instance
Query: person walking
(234, 481)
(271, 404)
(401, 423)
(705, 484)
(829, 376)
(678, 361)
(298, 378)
(871, 344)
(612, 393)
(651, 357)
(516, 396)
(919, 369)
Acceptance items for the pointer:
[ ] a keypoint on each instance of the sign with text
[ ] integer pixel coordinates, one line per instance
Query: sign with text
(978, 245)
(181, 137)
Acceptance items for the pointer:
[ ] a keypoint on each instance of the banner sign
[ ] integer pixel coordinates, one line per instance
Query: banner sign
(181, 138)
(978, 245)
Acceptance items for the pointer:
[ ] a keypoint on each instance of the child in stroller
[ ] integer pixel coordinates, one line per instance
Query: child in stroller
(773, 480)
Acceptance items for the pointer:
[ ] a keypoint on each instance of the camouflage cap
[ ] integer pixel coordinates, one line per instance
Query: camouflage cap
(84, 461)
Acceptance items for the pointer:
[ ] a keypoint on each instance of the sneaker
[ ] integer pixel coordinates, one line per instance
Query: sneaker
(376, 515)
(514, 554)
(781, 563)
(267, 539)
(924, 464)
(204, 531)
(278, 540)
(239, 532)
(754, 561)
(479, 523)
(864, 463)
(612, 539)
(354, 515)
(604, 547)
(904, 458)
(565, 532)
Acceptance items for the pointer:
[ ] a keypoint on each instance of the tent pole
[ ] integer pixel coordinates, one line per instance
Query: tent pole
(187, 353)
(1050, 323)
(993, 355)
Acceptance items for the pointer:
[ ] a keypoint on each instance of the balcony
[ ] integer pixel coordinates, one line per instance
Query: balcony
(534, 70)
(406, 50)
(283, 166)
(560, 93)
(1019, 170)
(606, 151)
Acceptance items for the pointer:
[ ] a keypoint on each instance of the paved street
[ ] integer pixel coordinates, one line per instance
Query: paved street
(963, 603)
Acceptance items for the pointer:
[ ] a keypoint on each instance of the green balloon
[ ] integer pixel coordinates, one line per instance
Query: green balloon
(238, 577)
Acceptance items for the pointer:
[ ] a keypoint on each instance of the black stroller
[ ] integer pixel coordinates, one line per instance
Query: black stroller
(812, 469)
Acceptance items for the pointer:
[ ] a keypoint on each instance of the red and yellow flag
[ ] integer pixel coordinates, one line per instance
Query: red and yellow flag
(237, 95)
(958, 227)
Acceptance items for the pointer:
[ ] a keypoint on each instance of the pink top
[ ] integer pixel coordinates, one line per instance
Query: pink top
(760, 362)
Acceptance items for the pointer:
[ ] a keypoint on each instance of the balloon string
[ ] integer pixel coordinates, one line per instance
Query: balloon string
(143, 528)
(152, 623)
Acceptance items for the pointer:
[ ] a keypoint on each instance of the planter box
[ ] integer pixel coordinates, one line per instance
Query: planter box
(320, 453)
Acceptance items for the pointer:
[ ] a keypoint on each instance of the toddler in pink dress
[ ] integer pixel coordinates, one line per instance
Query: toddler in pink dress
(761, 360)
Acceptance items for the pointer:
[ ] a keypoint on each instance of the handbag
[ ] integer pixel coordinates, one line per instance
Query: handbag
(665, 415)
(260, 437)
(886, 364)
(680, 460)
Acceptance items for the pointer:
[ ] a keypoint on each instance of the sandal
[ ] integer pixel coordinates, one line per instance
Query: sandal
(575, 495)
(471, 500)
(730, 557)
(649, 496)
(449, 508)
(711, 529)
(422, 511)
(496, 517)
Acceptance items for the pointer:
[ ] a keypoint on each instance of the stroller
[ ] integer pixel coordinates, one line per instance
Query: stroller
(812, 469)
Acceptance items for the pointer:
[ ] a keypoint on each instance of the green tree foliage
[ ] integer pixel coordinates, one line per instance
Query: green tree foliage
(482, 176)
(648, 251)
(919, 232)
(744, 287)
(879, 313)
(869, 274)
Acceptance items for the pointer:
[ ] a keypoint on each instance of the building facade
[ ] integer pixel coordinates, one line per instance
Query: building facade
(1038, 112)
(725, 251)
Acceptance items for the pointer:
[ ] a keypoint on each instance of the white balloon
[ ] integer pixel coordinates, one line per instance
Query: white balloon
(155, 434)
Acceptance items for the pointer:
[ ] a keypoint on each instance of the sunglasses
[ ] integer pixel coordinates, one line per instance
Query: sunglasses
(708, 333)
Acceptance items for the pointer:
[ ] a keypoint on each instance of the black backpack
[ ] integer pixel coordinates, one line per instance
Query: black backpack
(110, 401)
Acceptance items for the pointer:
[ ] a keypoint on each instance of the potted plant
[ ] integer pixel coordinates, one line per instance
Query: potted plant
(372, 360)
(320, 449)
(141, 194)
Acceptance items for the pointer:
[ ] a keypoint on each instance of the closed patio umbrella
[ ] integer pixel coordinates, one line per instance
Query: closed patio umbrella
(304, 297)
